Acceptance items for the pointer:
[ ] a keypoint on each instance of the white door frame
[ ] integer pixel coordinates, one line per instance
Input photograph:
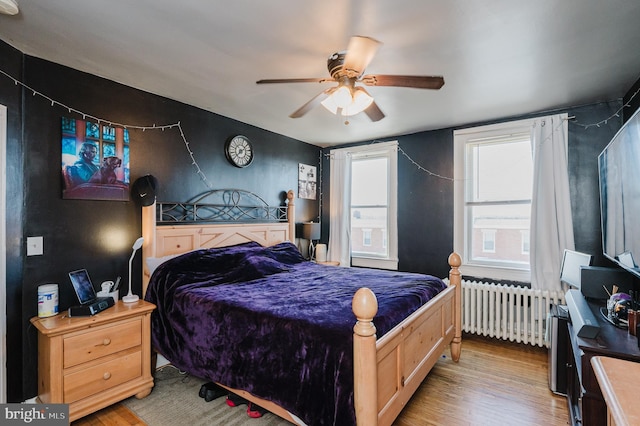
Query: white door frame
(3, 254)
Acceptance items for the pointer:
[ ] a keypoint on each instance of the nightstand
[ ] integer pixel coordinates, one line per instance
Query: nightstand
(329, 262)
(95, 361)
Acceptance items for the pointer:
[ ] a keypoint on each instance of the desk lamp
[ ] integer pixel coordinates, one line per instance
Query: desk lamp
(130, 297)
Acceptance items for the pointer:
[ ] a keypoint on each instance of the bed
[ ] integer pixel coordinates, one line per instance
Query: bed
(374, 376)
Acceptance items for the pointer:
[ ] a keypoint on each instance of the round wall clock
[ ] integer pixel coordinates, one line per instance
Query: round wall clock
(239, 151)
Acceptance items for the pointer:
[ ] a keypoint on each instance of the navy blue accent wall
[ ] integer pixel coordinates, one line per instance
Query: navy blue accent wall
(11, 97)
(425, 202)
(631, 101)
(585, 145)
(98, 235)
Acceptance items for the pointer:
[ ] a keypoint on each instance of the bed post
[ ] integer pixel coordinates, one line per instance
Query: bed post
(455, 279)
(291, 215)
(149, 245)
(365, 363)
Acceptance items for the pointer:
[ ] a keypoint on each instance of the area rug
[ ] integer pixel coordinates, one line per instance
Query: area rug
(175, 401)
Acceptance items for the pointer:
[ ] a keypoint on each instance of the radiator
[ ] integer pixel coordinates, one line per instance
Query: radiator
(507, 312)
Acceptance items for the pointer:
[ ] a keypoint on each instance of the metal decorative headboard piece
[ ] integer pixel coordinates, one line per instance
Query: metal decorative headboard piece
(221, 205)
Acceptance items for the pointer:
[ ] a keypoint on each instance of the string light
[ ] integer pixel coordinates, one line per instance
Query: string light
(438, 176)
(204, 177)
(319, 189)
(572, 119)
(422, 169)
(615, 114)
(415, 163)
(90, 117)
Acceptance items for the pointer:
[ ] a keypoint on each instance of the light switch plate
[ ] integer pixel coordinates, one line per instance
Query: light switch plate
(35, 246)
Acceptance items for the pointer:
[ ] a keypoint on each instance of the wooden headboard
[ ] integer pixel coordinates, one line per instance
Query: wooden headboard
(162, 240)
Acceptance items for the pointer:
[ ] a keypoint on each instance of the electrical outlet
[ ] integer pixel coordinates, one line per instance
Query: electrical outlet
(35, 246)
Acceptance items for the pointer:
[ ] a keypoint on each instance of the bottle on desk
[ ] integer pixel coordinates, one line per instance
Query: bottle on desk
(633, 313)
(632, 319)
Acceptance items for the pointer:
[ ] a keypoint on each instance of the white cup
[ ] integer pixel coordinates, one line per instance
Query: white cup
(106, 285)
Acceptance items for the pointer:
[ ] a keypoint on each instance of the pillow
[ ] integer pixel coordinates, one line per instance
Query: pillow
(286, 252)
(258, 266)
(154, 262)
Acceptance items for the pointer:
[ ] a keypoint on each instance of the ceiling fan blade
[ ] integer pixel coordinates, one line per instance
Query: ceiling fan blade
(314, 102)
(360, 52)
(296, 80)
(416, 81)
(373, 112)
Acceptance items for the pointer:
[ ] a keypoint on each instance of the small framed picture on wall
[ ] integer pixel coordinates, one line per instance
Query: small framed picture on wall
(307, 181)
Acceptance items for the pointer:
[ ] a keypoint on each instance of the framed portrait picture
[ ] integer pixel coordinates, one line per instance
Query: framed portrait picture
(95, 161)
(307, 181)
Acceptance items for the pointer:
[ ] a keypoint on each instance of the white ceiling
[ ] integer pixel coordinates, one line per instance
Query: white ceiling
(499, 58)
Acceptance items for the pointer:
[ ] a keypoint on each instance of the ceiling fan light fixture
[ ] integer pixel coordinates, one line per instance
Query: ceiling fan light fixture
(9, 7)
(342, 97)
(347, 68)
(348, 102)
(330, 105)
(361, 101)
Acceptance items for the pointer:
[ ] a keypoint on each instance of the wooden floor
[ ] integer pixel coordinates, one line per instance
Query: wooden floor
(495, 383)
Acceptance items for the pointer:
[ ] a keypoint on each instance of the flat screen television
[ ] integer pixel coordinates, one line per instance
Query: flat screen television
(619, 174)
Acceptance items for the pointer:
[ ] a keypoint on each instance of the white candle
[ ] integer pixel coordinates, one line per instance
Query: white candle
(321, 253)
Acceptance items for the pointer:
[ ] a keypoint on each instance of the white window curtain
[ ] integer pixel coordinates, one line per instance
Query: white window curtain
(551, 221)
(339, 248)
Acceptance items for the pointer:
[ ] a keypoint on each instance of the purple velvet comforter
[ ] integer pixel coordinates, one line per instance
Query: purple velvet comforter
(265, 320)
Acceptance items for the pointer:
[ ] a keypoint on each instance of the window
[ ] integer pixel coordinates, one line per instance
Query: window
(384, 238)
(372, 209)
(525, 241)
(489, 241)
(369, 204)
(366, 237)
(492, 199)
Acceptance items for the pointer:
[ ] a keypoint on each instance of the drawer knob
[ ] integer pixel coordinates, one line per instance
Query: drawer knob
(106, 341)
(106, 376)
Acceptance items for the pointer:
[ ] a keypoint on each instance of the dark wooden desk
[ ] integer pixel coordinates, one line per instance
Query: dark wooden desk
(586, 403)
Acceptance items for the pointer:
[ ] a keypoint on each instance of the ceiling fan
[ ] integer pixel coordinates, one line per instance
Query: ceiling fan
(347, 68)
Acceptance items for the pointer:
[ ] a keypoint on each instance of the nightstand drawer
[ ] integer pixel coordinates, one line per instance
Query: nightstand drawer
(92, 380)
(101, 341)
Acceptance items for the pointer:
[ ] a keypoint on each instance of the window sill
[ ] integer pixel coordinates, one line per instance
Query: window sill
(495, 273)
(369, 262)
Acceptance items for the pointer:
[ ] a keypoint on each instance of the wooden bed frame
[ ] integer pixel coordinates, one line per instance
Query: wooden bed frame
(387, 371)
